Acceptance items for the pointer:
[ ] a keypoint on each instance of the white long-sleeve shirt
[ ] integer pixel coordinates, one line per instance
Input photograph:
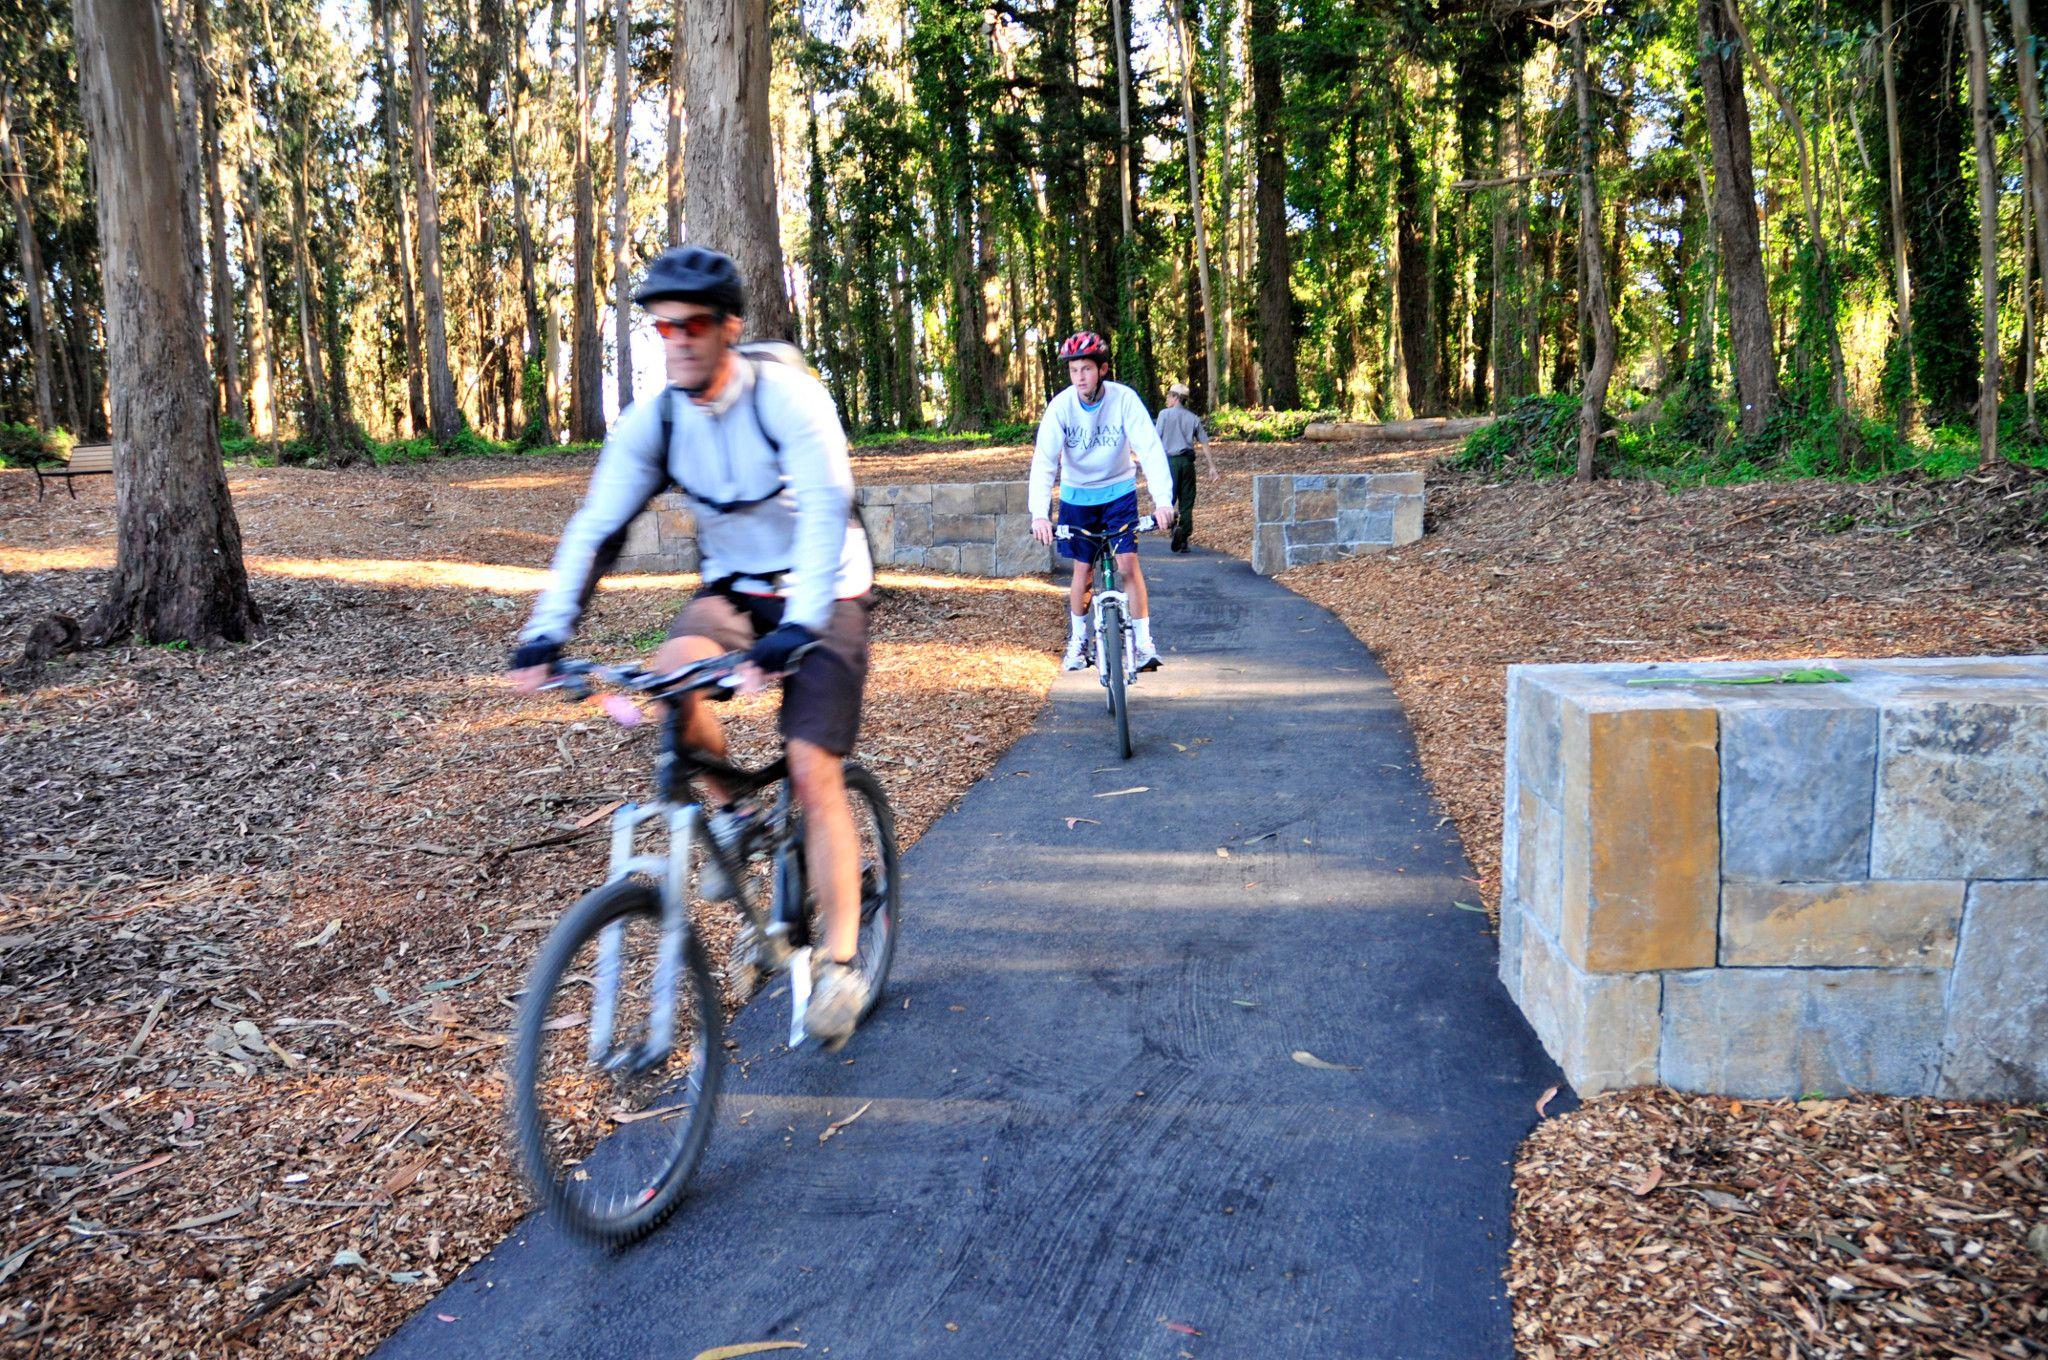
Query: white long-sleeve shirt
(793, 538)
(1089, 450)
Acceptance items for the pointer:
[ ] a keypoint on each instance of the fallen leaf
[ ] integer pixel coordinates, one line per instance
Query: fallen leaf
(139, 1168)
(322, 938)
(838, 1124)
(1721, 1199)
(1648, 1183)
(1308, 1059)
(1183, 1328)
(607, 810)
(1469, 906)
(208, 1220)
(398, 1180)
(1118, 793)
(448, 1317)
(1248, 1005)
(1221, 853)
(635, 1116)
(1073, 822)
(1544, 1100)
(748, 1348)
(445, 983)
(410, 1097)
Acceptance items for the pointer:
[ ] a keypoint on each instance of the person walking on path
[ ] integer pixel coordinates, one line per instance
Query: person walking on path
(1093, 438)
(1179, 431)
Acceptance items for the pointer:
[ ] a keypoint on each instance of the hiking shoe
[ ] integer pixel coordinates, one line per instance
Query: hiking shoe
(743, 967)
(1180, 545)
(839, 993)
(729, 827)
(1077, 655)
(1148, 659)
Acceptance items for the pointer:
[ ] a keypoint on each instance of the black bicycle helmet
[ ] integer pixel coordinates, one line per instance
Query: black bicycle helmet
(694, 274)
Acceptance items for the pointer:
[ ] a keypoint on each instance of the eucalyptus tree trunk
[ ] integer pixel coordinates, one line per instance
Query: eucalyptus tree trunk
(1734, 214)
(30, 251)
(622, 238)
(675, 127)
(2026, 53)
(227, 354)
(415, 386)
(1278, 383)
(1593, 264)
(1187, 105)
(444, 417)
(1902, 283)
(586, 371)
(256, 284)
(1987, 228)
(729, 156)
(178, 573)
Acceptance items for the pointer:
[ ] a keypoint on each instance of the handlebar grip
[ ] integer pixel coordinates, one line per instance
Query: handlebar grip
(1062, 531)
(1147, 524)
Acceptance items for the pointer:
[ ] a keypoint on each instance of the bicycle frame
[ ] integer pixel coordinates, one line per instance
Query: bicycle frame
(682, 816)
(1107, 589)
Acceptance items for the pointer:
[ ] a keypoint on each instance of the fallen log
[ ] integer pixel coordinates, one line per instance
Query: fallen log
(1431, 427)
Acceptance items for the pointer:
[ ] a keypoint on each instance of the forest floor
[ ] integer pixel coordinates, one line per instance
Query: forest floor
(263, 910)
(168, 1170)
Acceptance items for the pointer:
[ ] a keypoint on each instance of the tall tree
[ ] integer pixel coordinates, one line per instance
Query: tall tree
(26, 246)
(401, 238)
(226, 353)
(1279, 384)
(674, 163)
(1987, 228)
(256, 280)
(1734, 213)
(622, 167)
(444, 417)
(1186, 45)
(729, 158)
(586, 367)
(178, 573)
(1895, 187)
(1939, 240)
(1592, 264)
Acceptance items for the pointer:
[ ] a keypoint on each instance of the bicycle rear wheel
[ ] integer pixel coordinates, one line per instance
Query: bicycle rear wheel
(881, 894)
(1112, 644)
(609, 1122)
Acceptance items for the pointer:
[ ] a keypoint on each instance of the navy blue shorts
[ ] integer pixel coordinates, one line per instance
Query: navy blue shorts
(1100, 519)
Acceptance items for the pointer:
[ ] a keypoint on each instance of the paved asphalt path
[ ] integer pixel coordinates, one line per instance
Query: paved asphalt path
(1085, 1130)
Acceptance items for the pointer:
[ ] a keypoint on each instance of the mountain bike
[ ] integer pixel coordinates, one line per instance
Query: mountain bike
(1112, 616)
(618, 1053)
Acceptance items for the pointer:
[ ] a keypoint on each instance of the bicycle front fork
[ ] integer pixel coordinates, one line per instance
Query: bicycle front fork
(684, 825)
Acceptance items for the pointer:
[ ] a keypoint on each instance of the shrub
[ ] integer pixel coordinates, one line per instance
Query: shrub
(1253, 426)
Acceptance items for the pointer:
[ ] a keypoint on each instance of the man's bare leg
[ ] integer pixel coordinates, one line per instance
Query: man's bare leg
(1077, 589)
(701, 730)
(1133, 577)
(831, 848)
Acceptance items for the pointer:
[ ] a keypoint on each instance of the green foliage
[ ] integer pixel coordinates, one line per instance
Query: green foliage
(25, 446)
(1536, 437)
(1008, 432)
(533, 400)
(1254, 426)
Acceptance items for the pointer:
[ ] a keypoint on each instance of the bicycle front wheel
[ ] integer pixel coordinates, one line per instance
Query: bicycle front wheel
(612, 1103)
(1112, 644)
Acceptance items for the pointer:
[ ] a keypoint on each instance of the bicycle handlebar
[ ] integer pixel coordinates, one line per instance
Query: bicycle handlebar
(719, 673)
(1144, 525)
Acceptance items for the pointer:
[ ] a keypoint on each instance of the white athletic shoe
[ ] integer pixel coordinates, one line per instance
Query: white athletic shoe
(1148, 658)
(1077, 655)
(839, 993)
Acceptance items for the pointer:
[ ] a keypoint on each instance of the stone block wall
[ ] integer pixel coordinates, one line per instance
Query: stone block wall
(978, 529)
(1779, 889)
(1302, 520)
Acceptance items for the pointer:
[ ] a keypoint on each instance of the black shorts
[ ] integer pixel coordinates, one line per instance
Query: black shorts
(821, 701)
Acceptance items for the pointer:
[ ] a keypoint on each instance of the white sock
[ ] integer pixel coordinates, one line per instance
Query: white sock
(1143, 628)
(1077, 627)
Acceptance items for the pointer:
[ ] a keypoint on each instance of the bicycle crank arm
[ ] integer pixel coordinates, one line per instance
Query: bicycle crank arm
(799, 994)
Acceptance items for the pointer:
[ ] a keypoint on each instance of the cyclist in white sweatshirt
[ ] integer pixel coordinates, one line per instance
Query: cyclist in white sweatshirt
(1086, 440)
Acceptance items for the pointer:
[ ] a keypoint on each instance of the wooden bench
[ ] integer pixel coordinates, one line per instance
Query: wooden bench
(87, 460)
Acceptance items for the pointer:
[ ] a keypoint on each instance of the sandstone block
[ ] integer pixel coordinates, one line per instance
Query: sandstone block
(1796, 785)
(1538, 869)
(1312, 482)
(1272, 499)
(1641, 847)
(643, 537)
(1962, 787)
(1313, 504)
(910, 527)
(1365, 526)
(1534, 727)
(1408, 520)
(991, 498)
(1311, 554)
(1309, 533)
(1269, 549)
(978, 559)
(1601, 1028)
(954, 498)
(1791, 1032)
(1867, 924)
(1996, 1045)
(955, 530)
(939, 558)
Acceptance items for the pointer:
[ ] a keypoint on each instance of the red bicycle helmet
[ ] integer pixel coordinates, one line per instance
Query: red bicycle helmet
(1084, 345)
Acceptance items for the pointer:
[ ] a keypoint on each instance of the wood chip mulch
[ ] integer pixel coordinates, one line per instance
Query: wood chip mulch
(1650, 1223)
(264, 910)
